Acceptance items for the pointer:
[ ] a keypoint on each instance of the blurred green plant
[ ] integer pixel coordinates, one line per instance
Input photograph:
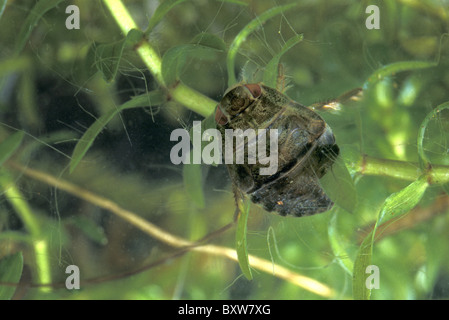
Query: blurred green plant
(383, 179)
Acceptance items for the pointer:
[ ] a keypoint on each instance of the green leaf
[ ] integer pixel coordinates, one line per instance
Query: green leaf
(152, 98)
(423, 160)
(396, 67)
(394, 206)
(10, 145)
(271, 71)
(240, 3)
(339, 186)
(160, 12)
(39, 9)
(240, 240)
(403, 201)
(108, 56)
(193, 183)
(362, 260)
(339, 251)
(2, 7)
(209, 40)
(10, 272)
(92, 230)
(16, 64)
(167, 5)
(16, 236)
(192, 173)
(207, 123)
(252, 26)
(206, 47)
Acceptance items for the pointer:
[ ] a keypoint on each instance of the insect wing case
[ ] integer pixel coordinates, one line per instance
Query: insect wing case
(306, 149)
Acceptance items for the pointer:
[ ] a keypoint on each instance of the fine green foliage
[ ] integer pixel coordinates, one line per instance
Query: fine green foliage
(338, 248)
(151, 99)
(10, 145)
(192, 173)
(10, 272)
(241, 239)
(2, 7)
(271, 70)
(339, 186)
(160, 13)
(244, 33)
(394, 68)
(36, 13)
(89, 228)
(394, 206)
(167, 5)
(193, 183)
(86, 177)
(203, 46)
(107, 57)
(424, 160)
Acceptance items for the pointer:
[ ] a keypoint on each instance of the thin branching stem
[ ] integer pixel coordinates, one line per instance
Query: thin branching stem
(410, 171)
(154, 231)
(31, 223)
(180, 93)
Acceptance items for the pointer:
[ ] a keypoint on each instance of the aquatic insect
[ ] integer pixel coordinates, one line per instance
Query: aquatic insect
(306, 149)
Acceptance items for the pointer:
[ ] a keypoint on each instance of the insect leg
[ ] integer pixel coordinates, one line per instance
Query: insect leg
(335, 104)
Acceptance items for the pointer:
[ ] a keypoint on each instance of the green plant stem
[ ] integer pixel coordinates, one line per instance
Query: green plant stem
(39, 243)
(181, 93)
(145, 50)
(410, 171)
(193, 99)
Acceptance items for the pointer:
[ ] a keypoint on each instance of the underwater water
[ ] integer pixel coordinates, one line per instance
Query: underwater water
(93, 205)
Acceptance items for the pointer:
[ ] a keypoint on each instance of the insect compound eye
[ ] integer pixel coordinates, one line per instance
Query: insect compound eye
(220, 117)
(255, 89)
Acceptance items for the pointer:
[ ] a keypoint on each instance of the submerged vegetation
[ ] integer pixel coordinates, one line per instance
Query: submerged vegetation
(86, 178)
